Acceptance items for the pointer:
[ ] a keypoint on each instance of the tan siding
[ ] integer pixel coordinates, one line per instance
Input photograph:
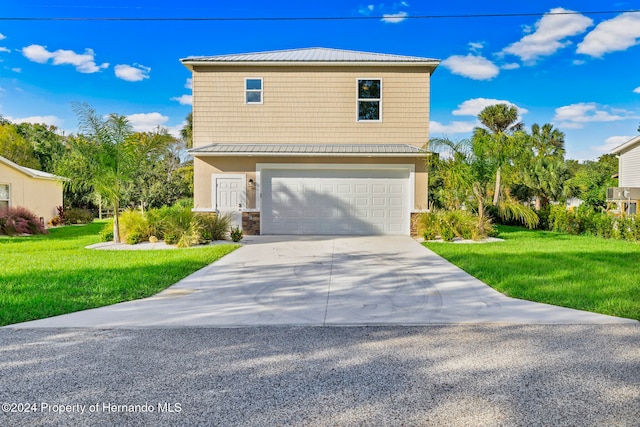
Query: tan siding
(205, 166)
(308, 105)
(38, 195)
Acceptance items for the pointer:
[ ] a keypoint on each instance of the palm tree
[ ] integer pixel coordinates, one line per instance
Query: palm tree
(547, 141)
(186, 133)
(100, 158)
(544, 170)
(501, 122)
(466, 170)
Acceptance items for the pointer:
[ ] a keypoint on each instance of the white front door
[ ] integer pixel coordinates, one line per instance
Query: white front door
(229, 196)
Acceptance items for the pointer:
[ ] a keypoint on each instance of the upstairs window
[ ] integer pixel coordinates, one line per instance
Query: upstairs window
(253, 91)
(4, 196)
(369, 99)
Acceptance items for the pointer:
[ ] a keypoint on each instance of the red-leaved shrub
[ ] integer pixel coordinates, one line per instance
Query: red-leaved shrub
(19, 220)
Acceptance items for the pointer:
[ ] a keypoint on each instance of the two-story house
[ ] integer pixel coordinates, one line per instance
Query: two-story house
(626, 196)
(311, 141)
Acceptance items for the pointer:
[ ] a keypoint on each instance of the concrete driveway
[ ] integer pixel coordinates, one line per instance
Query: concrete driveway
(320, 280)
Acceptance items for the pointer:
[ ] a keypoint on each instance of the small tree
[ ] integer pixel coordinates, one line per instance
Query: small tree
(467, 170)
(501, 122)
(100, 158)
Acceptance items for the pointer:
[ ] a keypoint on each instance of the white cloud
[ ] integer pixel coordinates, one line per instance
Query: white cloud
(4, 49)
(619, 33)
(366, 10)
(49, 120)
(579, 62)
(611, 143)
(147, 122)
(471, 66)
(37, 53)
(637, 90)
(473, 107)
(390, 14)
(551, 32)
(175, 130)
(133, 73)
(2, 36)
(394, 18)
(475, 46)
(510, 66)
(83, 62)
(453, 127)
(574, 116)
(184, 99)
(16, 70)
(189, 83)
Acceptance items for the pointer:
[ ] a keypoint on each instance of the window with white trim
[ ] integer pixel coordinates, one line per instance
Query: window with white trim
(4, 196)
(369, 100)
(253, 91)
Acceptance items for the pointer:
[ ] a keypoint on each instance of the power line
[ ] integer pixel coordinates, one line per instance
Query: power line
(320, 18)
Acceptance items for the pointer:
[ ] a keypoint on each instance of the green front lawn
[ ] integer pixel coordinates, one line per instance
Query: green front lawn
(43, 276)
(582, 272)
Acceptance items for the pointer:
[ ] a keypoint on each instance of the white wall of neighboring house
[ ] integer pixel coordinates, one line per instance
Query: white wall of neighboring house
(629, 168)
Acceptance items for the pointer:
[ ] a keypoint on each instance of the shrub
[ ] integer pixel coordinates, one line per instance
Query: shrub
(543, 215)
(236, 234)
(133, 227)
(186, 202)
(106, 234)
(19, 220)
(586, 220)
(157, 221)
(181, 227)
(214, 227)
(559, 219)
(428, 225)
(77, 216)
(449, 224)
(60, 218)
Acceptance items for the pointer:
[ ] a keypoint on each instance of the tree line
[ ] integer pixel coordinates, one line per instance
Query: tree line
(107, 162)
(510, 174)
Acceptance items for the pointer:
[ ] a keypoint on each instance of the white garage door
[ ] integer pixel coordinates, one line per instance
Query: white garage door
(335, 202)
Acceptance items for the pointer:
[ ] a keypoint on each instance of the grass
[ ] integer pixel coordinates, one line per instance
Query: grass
(47, 275)
(581, 272)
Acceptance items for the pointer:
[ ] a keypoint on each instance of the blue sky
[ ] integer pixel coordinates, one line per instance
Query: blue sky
(578, 71)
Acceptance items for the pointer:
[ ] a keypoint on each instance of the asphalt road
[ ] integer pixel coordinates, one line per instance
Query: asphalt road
(516, 375)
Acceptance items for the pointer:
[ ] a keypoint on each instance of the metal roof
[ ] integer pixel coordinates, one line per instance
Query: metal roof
(311, 55)
(315, 150)
(33, 173)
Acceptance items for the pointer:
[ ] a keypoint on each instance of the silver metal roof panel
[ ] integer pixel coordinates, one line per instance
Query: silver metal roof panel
(313, 55)
(351, 150)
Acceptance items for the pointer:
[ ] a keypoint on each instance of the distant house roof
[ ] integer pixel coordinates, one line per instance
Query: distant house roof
(627, 145)
(33, 173)
(307, 56)
(315, 150)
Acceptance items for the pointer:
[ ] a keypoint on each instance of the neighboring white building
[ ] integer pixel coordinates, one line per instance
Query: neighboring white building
(627, 195)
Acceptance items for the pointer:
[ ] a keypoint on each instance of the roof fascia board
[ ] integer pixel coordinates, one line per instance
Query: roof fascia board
(428, 64)
(28, 172)
(301, 154)
(626, 146)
